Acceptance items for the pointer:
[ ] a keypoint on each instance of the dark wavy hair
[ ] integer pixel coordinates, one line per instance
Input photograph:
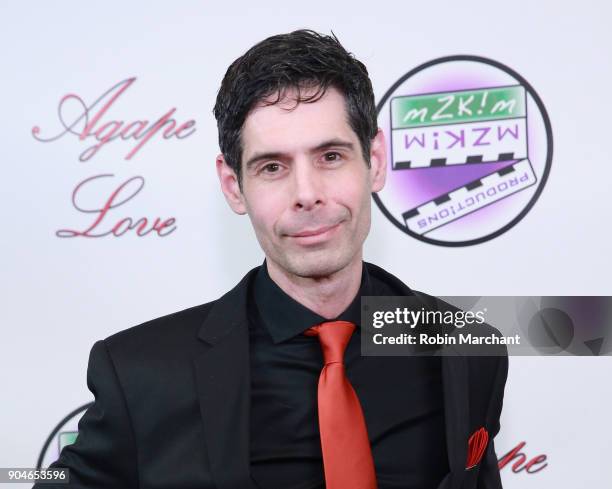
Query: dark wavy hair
(301, 60)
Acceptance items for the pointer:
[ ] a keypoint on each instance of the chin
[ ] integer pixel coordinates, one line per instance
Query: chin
(316, 265)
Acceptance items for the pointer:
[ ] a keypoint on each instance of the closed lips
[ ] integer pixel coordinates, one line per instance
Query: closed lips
(313, 232)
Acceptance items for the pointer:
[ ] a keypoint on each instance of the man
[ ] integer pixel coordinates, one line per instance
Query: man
(266, 387)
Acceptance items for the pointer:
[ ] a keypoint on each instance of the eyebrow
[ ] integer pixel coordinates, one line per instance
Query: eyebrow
(273, 155)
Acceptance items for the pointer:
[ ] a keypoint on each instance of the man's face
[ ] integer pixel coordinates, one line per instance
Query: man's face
(306, 186)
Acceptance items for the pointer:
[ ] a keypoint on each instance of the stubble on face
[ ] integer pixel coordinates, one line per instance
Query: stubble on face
(324, 261)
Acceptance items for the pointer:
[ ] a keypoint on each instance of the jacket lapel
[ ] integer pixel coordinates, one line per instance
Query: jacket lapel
(456, 412)
(223, 383)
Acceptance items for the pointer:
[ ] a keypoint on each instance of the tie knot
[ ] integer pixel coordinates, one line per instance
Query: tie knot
(333, 336)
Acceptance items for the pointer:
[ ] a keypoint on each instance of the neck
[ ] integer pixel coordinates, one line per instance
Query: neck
(327, 296)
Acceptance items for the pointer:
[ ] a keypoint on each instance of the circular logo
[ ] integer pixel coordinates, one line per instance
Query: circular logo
(469, 147)
(65, 433)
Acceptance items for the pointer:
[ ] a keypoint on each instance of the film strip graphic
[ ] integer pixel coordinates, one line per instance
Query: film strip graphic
(470, 197)
(465, 127)
(466, 143)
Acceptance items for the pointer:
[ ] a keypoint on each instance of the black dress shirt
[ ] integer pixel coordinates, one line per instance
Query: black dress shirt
(401, 397)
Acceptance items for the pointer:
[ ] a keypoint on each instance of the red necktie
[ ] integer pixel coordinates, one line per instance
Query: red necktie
(347, 456)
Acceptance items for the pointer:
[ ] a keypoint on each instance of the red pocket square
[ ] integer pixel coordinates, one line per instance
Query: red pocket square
(476, 447)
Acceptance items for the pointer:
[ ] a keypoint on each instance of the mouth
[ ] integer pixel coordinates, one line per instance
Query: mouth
(315, 235)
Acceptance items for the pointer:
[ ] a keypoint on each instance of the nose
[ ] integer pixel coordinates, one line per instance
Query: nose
(307, 186)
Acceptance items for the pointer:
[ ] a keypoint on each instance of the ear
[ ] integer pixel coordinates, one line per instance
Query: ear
(229, 186)
(378, 161)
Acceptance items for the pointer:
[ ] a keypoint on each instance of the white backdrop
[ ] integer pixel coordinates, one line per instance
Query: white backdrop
(60, 295)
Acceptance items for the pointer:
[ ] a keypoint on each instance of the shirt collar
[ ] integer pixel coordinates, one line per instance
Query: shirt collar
(284, 317)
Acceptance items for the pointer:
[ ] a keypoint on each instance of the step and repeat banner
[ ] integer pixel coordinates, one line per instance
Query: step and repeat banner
(498, 184)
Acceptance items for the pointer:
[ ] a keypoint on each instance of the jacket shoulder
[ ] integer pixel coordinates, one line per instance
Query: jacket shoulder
(165, 335)
(175, 336)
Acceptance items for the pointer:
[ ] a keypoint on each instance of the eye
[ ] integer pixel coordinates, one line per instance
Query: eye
(332, 156)
(270, 168)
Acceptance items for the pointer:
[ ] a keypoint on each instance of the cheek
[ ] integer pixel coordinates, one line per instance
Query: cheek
(264, 212)
(356, 197)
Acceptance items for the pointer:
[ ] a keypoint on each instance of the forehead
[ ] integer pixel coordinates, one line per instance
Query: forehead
(288, 127)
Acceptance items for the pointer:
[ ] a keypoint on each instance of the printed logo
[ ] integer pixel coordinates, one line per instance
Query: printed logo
(102, 124)
(470, 149)
(65, 433)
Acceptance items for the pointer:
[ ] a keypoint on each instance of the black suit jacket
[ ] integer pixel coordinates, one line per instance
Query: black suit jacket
(172, 400)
